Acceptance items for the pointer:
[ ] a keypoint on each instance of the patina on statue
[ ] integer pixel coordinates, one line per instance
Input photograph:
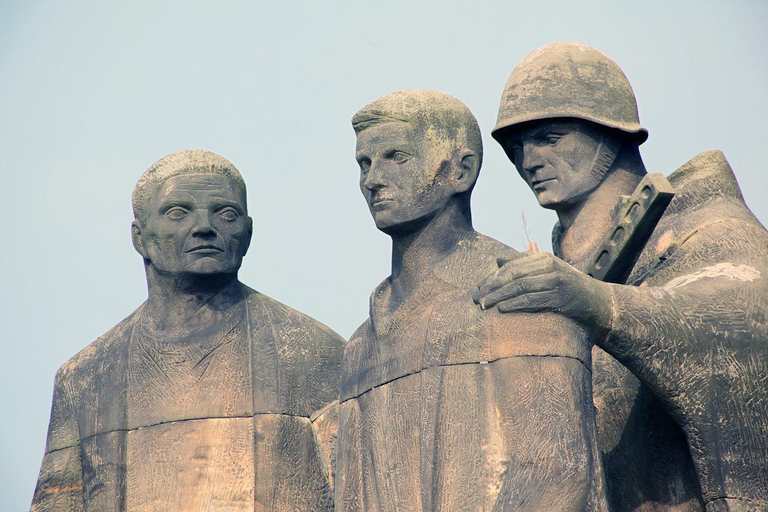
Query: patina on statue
(692, 433)
(444, 406)
(210, 395)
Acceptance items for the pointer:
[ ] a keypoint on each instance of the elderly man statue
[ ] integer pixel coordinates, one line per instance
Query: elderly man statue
(444, 406)
(692, 328)
(210, 396)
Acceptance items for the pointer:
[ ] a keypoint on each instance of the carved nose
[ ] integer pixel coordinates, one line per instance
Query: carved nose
(203, 226)
(531, 158)
(373, 178)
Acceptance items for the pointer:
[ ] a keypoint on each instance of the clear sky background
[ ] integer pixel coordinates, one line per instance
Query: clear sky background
(93, 92)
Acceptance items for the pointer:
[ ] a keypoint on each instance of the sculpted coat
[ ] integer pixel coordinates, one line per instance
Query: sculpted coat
(707, 262)
(687, 428)
(253, 428)
(447, 407)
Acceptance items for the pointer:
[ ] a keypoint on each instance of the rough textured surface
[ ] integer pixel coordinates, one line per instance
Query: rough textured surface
(444, 406)
(570, 80)
(199, 455)
(699, 340)
(699, 330)
(693, 327)
(635, 219)
(210, 396)
(647, 462)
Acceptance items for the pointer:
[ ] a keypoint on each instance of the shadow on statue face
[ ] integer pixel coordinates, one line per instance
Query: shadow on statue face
(401, 177)
(557, 160)
(194, 224)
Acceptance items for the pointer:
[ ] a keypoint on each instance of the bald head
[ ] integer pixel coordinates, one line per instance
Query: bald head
(189, 161)
(442, 120)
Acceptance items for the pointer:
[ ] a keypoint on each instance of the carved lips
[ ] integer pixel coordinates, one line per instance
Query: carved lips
(537, 184)
(380, 201)
(205, 249)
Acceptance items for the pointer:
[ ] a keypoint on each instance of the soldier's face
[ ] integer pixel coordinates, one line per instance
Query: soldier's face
(556, 160)
(195, 224)
(399, 177)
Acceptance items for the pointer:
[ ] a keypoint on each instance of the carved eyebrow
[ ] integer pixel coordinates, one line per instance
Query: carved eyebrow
(171, 202)
(395, 149)
(546, 130)
(541, 130)
(220, 205)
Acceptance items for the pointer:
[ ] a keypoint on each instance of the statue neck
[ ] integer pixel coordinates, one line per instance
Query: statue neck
(416, 253)
(182, 305)
(584, 225)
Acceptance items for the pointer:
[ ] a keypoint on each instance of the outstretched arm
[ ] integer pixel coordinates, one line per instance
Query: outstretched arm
(695, 334)
(715, 295)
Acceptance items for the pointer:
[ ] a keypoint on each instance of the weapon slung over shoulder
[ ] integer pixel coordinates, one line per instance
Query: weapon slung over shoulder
(634, 219)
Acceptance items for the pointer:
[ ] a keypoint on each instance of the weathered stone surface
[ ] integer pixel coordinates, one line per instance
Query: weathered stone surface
(210, 396)
(695, 330)
(444, 406)
(692, 329)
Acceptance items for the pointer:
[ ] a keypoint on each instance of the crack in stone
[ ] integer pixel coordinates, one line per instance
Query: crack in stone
(447, 365)
(750, 500)
(247, 416)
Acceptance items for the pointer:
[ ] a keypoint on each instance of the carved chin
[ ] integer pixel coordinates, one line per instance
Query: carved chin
(546, 199)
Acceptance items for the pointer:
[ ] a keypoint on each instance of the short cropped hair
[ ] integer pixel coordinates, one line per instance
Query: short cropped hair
(437, 115)
(189, 161)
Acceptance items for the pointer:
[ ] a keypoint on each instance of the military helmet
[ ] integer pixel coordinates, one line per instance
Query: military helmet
(569, 80)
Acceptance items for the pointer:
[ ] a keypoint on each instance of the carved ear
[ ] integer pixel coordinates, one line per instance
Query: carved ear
(250, 235)
(469, 167)
(136, 238)
(606, 154)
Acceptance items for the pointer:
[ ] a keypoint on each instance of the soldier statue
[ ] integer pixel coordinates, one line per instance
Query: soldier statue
(688, 427)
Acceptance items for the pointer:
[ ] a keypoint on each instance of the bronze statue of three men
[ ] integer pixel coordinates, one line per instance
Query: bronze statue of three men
(484, 378)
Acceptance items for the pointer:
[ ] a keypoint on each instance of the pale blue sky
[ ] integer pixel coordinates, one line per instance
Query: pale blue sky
(94, 92)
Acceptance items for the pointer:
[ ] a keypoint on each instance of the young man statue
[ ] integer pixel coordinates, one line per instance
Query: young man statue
(210, 396)
(444, 406)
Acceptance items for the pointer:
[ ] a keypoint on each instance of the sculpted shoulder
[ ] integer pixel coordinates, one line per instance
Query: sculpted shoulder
(473, 260)
(101, 354)
(707, 216)
(290, 322)
(298, 357)
(88, 392)
(512, 335)
(706, 192)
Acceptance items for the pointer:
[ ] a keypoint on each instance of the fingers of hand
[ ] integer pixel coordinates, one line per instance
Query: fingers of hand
(517, 288)
(527, 266)
(530, 303)
(485, 286)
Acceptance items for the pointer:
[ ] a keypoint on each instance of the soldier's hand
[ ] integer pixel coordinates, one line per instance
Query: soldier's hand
(541, 282)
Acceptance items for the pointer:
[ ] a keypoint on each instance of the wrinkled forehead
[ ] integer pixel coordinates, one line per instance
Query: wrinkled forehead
(198, 185)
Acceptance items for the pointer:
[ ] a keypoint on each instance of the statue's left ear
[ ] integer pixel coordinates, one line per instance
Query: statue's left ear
(250, 235)
(469, 167)
(136, 238)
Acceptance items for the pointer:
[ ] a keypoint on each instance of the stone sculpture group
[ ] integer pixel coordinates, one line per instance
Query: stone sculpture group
(626, 371)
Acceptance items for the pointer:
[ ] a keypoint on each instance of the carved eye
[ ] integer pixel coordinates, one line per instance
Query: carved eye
(399, 157)
(229, 214)
(517, 153)
(365, 165)
(552, 139)
(176, 213)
